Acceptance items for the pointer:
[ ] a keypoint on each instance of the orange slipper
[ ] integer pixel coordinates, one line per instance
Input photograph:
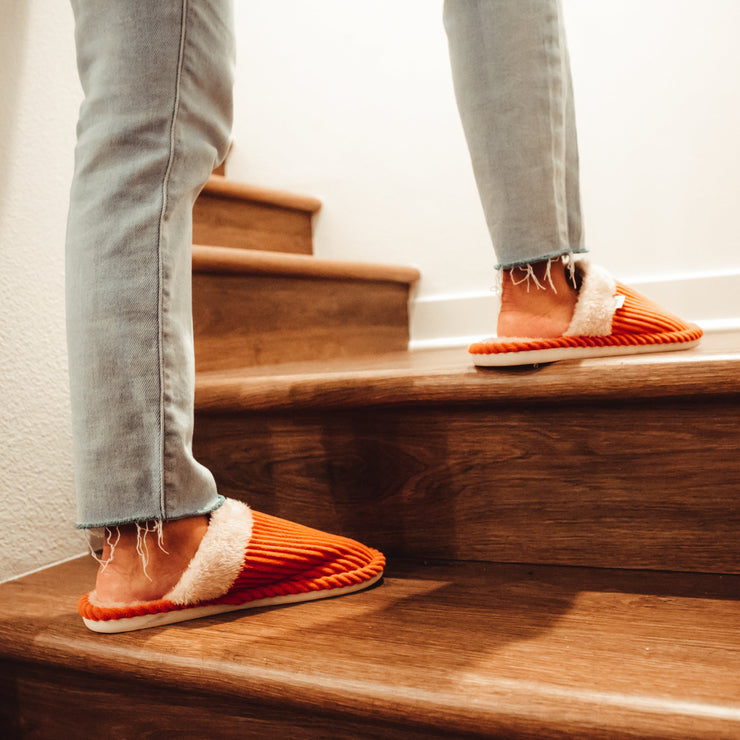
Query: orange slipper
(609, 319)
(247, 560)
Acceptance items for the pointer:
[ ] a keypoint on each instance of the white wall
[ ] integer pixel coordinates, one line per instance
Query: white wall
(40, 95)
(353, 102)
(659, 111)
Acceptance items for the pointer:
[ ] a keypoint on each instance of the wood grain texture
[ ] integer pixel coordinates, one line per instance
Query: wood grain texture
(458, 650)
(58, 703)
(631, 485)
(235, 215)
(447, 376)
(572, 464)
(244, 320)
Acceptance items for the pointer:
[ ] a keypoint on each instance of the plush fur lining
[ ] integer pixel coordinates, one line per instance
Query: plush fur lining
(220, 557)
(596, 302)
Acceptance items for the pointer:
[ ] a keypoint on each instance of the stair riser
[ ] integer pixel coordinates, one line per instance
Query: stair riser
(248, 320)
(634, 485)
(58, 703)
(227, 222)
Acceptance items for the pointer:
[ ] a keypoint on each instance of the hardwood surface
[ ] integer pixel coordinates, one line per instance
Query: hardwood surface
(613, 463)
(626, 484)
(226, 188)
(437, 649)
(251, 309)
(433, 377)
(60, 704)
(224, 261)
(235, 215)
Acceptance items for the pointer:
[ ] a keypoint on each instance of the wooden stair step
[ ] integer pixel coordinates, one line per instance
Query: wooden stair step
(228, 213)
(436, 650)
(256, 308)
(622, 462)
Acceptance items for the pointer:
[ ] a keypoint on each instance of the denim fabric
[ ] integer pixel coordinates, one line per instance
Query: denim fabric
(511, 73)
(155, 120)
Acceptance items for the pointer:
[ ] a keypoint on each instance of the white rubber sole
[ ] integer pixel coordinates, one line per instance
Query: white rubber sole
(129, 624)
(542, 356)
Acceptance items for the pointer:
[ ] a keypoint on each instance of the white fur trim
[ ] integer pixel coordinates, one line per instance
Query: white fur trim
(596, 302)
(220, 557)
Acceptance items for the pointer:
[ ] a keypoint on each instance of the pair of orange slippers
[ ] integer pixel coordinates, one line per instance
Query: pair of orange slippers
(248, 560)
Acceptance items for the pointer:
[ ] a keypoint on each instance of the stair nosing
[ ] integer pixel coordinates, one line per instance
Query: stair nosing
(318, 386)
(220, 186)
(233, 261)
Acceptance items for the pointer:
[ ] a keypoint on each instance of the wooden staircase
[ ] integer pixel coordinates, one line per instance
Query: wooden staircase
(563, 545)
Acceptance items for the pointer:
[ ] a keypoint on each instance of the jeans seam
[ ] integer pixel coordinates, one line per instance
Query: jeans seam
(161, 307)
(557, 133)
(563, 252)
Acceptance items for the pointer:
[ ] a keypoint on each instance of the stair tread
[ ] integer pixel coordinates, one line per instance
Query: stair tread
(448, 376)
(467, 646)
(225, 187)
(226, 260)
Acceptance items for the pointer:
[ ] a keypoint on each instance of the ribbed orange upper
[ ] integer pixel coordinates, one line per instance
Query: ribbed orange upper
(285, 557)
(640, 315)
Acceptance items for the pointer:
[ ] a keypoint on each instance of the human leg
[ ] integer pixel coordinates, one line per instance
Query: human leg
(513, 87)
(512, 81)
(156, 119)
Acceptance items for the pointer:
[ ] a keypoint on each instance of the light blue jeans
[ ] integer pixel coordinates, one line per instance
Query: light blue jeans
(512, 80)
(156, 118)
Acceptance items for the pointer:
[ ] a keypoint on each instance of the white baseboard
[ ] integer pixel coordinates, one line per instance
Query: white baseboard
(712, 301)
(43, 567)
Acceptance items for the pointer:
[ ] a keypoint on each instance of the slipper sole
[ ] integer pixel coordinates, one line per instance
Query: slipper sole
(516, 357)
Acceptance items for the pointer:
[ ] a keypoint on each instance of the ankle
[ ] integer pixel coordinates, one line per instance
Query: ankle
(537, 300)
(550, 279)
(142, 562)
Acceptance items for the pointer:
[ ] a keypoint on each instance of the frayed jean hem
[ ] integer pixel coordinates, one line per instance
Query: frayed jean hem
(119, 523)
(543, 258)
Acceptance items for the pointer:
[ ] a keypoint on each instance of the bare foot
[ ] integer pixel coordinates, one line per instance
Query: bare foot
(124, 579)
(536, 312)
